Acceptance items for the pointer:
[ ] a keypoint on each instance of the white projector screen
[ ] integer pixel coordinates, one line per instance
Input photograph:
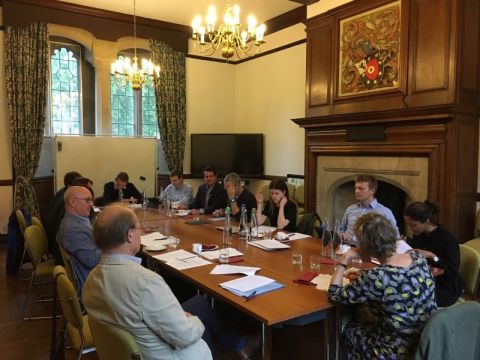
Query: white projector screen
(101, 158)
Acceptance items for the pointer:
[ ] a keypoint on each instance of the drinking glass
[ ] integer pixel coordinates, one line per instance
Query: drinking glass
(315, 261)
(223, 255)
(297, 258)
(174, 241)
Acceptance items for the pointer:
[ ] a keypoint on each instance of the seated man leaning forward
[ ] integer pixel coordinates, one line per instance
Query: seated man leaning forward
(237, 196)
(75, 233)
(211, 195)
(178, 191)
(391, 302)
(120, 291)
(365, 188)
(111, 190)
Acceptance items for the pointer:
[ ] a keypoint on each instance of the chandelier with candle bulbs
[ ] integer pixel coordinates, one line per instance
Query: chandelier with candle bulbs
(229, 36)
(127, 72)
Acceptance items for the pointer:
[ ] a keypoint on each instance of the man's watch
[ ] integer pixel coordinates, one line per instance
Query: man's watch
(435, 258)
(232, 200)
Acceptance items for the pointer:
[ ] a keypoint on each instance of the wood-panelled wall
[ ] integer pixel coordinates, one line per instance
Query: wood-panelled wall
(434, 111)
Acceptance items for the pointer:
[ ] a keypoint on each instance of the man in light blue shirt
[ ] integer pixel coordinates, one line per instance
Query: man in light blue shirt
(365, 188)
(178, 192)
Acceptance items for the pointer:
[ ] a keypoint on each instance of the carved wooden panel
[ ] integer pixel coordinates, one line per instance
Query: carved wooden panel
(430, 45)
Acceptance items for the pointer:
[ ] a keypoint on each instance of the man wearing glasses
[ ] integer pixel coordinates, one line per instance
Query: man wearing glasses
(75, 233)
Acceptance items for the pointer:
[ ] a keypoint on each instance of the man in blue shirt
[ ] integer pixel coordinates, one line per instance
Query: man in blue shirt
(178, 191)
(365, 188)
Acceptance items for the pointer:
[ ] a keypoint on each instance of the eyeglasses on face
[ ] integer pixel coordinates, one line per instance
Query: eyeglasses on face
(87, 200)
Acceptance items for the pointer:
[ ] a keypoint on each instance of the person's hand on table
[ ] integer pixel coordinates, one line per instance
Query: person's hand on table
(218, 213)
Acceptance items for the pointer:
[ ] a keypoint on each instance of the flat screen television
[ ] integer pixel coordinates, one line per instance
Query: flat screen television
(240, 153)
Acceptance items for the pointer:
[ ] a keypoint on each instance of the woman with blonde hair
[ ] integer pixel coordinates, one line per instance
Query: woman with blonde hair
(398, 294)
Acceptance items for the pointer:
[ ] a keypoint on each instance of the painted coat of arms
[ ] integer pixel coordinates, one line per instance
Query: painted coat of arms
(370, 51)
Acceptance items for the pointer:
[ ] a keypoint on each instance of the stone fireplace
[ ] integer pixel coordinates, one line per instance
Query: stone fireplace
(427, 153)
(401, 181)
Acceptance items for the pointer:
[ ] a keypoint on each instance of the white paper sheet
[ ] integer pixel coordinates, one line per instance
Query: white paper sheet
(221, 218)
(181, 259)
(234, 269)
(153, 238)
(323, 281)
(215, 254)
(297, 236)
(402, 246)
(247, 283)
(269, 245)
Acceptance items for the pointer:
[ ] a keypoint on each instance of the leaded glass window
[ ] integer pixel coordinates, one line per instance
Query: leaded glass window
(65, 96)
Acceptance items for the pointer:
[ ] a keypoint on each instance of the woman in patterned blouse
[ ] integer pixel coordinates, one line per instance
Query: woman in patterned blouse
(398, 296)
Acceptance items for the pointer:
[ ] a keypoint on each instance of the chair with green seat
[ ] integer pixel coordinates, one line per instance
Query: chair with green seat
(37, 247)
(77, 323)
(469, 270)
(22, 224)
(474, 244)
(113, 343)
(68, 267)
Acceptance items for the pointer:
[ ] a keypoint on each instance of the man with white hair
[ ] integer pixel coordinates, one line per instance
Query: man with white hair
(75, 233)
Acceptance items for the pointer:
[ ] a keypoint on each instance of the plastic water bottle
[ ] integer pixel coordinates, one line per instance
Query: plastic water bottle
(253, 225)
(243, 228)
(120, 195)
(326, 237)
(227, 228)
(144, 199)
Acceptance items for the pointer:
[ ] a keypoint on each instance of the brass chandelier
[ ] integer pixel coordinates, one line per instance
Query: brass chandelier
(127, 72)
(229, 36)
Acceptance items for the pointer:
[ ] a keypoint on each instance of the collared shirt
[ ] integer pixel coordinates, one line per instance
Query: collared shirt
(135, 259)
(83, 219)
(354, 211)
(182, 195)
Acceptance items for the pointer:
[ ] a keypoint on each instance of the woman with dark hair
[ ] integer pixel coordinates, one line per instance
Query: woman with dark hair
(281, 211)
(438, 246)
(398, 295)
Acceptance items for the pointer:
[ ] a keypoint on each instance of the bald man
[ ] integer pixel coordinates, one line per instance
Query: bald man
(75, 233)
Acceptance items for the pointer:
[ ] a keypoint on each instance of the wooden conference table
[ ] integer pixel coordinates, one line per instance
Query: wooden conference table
(295, 302)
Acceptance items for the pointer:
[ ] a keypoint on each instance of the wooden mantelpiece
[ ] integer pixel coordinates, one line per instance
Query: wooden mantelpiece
(448, 139)
(433, 113)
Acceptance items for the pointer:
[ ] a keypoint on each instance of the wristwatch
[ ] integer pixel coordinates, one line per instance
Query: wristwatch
(435, 258)
(232, 200)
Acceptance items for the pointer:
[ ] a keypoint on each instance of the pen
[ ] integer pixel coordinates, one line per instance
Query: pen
(183, 259)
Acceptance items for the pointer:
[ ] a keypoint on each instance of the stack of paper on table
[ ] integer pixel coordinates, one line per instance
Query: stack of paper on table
(323, 281)
(269, 245)
(297, 236)
(155, 238)
(234, 269)
(181, 259)
(215, 254)
(252, 285)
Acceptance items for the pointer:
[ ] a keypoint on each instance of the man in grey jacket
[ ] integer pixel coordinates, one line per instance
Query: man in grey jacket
(75, 233)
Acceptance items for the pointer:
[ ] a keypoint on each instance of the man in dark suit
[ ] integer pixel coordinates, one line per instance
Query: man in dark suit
(112, 189)
(75, 233)
(211, 195)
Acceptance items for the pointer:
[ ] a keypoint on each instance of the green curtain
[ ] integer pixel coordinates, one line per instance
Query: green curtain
(26, 76)
(171, 102)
